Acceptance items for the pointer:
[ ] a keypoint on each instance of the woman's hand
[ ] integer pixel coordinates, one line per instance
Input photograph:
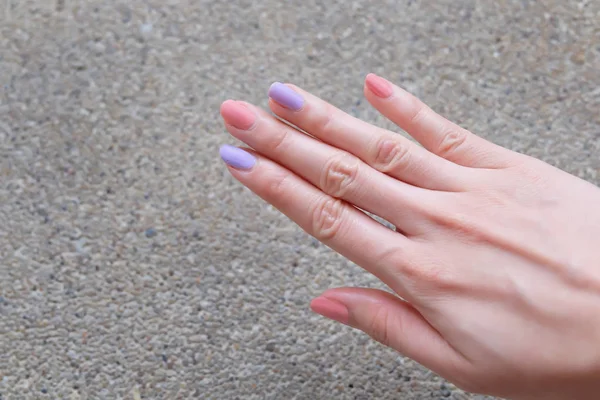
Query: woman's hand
(495, 257)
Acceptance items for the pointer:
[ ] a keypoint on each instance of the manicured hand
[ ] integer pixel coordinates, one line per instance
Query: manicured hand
(496, 256)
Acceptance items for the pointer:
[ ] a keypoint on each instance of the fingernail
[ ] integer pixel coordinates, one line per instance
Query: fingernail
(330, 309)
(379, 86)
(237, 114)
(285, 96)
(236, 157)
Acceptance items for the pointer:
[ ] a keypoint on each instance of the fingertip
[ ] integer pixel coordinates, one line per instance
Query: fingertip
(227, 104)
(274, 86)
(286, 96)
(369, 76)
(237, 157)
(379, 86)
(331, 309)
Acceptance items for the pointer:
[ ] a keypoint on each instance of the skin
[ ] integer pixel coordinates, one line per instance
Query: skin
(495, 260)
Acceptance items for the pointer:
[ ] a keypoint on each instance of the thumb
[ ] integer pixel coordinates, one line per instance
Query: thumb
(392, 322)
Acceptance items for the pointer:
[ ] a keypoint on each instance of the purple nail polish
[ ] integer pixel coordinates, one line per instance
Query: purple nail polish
(286, 96)
(236, 157)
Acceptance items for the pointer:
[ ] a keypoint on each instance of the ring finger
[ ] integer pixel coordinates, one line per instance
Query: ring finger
(334, 171)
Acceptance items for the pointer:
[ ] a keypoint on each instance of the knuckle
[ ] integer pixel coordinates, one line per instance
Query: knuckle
(419, 112)
(339, 175)
(327, 218)
(324, 119)
(459, 223)
(451, 140)
(276, 186)
(277, 142)
(433, 278)
(378, 326)
(390, 155)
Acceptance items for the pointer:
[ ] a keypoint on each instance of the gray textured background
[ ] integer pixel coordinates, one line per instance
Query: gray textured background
(133, 266)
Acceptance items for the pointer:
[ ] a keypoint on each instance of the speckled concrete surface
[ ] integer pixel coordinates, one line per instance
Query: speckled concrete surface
(134, 267)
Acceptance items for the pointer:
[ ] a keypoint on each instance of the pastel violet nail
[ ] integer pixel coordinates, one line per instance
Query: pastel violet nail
(236, 157)
(286, 96)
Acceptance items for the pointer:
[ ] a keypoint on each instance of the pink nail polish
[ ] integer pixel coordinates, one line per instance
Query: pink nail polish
(330, 309)
(379, 86)
(236, 113)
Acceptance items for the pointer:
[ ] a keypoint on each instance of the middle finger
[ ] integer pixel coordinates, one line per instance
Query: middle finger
(383, 150)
